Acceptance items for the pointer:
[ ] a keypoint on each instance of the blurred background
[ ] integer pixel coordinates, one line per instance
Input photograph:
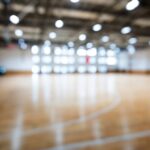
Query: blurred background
(75, 36)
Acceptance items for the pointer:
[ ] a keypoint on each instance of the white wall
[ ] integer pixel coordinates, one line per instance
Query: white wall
(20, 60)
(15, 59)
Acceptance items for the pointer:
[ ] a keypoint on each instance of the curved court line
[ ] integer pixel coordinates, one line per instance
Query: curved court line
(92, 116)
(104, 141)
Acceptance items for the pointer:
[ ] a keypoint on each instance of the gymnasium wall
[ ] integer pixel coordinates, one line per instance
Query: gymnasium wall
(20, 60)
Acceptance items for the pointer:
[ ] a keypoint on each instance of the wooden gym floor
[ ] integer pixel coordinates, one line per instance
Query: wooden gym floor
(75, 112)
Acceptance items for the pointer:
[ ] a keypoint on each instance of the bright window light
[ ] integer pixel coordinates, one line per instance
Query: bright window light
(36, 59)
(47, 43)
(102, 60)
(81, 69)
(110, 53)
(111, 61)
(57, 60)
(35, 49)
(46, 50)
(102, 51)
(92, 52)
(52, 35)
(131, 5)
(14, 19)
(59, 24)
(71, 51)
(126, 30)
(82, 37)
(92, 69)
(64, 60)
(75, 1)
(102, 69)
(46, 59)
(132, 41)
(57, 69)
(64, 69)
(71, 60)
(58, 51)
(105, 39)
(81, 52)
(46, 69)
(35, 69)
(19, 33)
(97, 27)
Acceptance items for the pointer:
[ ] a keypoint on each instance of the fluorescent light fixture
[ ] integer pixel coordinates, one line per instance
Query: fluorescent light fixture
(52, 35)
(105, 39)
(133, 4)
(82, 37)
(35, 49)
(97, 27)
(18, 33)
(14, 19)
(132, 40)
(75, 1)
(126, 30)
(59, 24)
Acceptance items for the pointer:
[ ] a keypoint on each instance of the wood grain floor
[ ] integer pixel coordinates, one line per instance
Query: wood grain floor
(75, 112)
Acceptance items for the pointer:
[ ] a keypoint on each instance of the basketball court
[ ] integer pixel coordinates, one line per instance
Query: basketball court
(75, 75)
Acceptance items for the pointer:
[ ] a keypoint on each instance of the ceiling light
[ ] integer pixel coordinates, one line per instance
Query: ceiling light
(126, 30)
(97, 27)
(131, 5)
(82, 37)
(59, 24)
(105, 39)
(70, 44)
(52, 35)
(75, 1)
(14, 19)
(89, 45)
(131, 49)
(132, 40)
(18, 32)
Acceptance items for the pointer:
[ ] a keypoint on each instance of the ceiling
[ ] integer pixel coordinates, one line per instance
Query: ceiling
(38, 17)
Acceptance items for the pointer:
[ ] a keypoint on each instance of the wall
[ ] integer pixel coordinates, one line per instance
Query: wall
(20, 60)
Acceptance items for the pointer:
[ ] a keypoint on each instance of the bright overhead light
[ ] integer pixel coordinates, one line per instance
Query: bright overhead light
(132, 40)
(131, 5)
(97, 27)
(59, 24)
(35, 49)
(47, 43)
(126, 30)
(52, 35)
(105, 39)
(14, 19)
(89, 45)
(82, 37)
(18, 32)
(75, 1)
(131, 49)
(71, 44)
